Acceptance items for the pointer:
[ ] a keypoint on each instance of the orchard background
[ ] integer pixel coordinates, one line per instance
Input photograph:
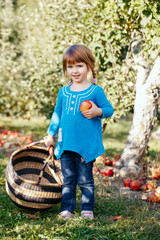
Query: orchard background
(123, 35)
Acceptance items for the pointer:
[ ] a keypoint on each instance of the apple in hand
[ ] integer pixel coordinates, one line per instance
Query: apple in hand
(85, 105)
(135, 185)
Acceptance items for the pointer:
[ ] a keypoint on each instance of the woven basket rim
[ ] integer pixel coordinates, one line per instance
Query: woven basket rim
(30, 181)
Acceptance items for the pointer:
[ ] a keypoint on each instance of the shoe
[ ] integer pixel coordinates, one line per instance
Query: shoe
(87, 214)
(65, 215)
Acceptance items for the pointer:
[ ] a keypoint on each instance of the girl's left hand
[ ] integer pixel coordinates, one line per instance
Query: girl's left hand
(94, 111)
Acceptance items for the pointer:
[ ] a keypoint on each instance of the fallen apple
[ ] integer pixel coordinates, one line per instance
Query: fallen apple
(108, 162)
(113, 162)
(153, 198)
(85, 105)
(135, 185)
(107, 172)
(157, 191)
(151, 184)
(156, 173)
(144, 187)
(127, 182)
(117, 156)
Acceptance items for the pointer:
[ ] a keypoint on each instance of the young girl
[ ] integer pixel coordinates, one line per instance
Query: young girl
(79, 133)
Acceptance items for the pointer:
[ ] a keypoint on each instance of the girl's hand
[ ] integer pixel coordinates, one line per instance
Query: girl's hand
(49, 141)
(94, 111)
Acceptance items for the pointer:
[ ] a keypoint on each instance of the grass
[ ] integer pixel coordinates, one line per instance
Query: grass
(138, 220)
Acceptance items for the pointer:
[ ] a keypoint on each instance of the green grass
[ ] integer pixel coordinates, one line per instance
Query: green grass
(139, 220)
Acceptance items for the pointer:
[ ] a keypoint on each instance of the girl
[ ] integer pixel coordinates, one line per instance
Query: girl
(79, 133)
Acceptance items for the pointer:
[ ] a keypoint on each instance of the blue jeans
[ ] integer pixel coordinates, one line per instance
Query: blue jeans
(75, 171)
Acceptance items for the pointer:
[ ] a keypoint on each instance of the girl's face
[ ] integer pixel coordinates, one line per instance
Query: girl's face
(77, 72)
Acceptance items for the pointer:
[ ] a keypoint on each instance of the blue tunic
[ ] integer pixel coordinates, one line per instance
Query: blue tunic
(75, 132)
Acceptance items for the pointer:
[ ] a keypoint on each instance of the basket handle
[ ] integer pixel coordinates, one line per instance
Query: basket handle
(36, 143)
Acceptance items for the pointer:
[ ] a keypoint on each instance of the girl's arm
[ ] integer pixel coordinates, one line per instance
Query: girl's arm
(101, 108)
(55, 121)
(49, 141)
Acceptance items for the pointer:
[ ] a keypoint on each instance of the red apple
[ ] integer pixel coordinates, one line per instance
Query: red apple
(117, 156)
(151, 184)
(2, 143)
(135, 185)
(157, 192)
(85, 105)
(107, 172)
(156, 173)
(108, 162)
(23, 139)
(144, 187)
(153, 198)
(127, 182)
(113, 162)
(5, 132)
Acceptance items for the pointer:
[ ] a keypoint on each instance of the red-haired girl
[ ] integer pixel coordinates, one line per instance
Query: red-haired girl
(79, 133)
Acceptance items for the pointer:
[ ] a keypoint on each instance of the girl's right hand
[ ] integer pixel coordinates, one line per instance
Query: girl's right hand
(49, 142)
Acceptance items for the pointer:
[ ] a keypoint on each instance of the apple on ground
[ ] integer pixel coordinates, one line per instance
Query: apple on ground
(107, 172)
(135, 185)
(157, 191)
(151, 184)
(144, 187)
(85, 105)
(2, 142)
(142, 178)
(117, 156)
(114, 161)
(108, 162)
(156, 173)
(127, 182)
(153, 198)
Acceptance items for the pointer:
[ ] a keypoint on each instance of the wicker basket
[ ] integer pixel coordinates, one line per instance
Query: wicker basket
(33, 181)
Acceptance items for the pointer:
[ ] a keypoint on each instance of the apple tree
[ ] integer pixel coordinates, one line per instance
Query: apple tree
(124, 36)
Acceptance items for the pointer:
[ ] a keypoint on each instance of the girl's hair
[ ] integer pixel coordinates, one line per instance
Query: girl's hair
(79, 53)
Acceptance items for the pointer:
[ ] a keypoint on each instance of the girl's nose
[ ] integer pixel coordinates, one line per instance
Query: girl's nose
(75, 69)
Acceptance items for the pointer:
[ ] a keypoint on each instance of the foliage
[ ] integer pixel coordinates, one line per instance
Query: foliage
(32, 44)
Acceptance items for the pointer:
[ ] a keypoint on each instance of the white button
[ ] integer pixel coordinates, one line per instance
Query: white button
(72, 102)
(71, 108)
(74, 96)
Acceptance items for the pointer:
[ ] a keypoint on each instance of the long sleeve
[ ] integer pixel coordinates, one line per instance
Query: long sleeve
(102, 102)
(56, 116)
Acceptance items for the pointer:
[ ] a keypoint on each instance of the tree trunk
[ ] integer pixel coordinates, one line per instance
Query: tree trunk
(145, 111)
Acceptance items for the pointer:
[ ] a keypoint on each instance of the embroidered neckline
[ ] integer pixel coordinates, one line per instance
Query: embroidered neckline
(76, 97)
(79, 92)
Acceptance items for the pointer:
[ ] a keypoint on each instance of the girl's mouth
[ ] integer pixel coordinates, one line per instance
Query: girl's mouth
(76, 76)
